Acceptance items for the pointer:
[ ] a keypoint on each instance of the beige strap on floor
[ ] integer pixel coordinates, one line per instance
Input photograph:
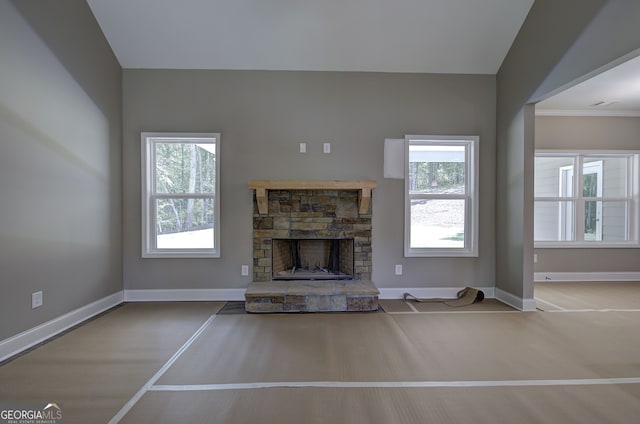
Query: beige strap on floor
(466, 296)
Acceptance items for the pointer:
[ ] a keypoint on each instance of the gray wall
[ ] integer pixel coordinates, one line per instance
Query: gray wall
(609, 38)
(561, 43)
(549, 30)
(587, 133)
(60, 167)
(262, 116)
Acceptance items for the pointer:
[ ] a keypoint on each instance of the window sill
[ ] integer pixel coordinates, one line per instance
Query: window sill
(586, 245)
(181, 255)
(437, 253)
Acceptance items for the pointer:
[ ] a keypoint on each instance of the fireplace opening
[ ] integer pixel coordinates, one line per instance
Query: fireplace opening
(312, 259)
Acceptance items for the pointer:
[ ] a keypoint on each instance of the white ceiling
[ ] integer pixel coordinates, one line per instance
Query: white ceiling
(615, 92)
(430, 36)
(422, 36)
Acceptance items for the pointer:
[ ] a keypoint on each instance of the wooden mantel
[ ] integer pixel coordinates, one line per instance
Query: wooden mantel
(364, 188)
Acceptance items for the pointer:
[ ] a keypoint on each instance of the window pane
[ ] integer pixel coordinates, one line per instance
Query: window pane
(184, 224)
(605, 221)
(553, 176)
(592, 220)
(553, 221)
(437, 223)
(605, 176)
(185, 167)
(436, 169)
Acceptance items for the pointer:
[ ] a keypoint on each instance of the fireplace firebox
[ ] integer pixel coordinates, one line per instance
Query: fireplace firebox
(312, 259)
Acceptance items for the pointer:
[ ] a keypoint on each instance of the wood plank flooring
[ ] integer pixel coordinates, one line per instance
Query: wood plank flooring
(95, 369)
(593, 295)
(182, 362)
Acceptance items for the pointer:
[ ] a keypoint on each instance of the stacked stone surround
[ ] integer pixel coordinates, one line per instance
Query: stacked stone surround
(311, 296)
(311, 214)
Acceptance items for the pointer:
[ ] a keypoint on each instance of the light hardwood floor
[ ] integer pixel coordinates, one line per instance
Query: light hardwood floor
(183, 362)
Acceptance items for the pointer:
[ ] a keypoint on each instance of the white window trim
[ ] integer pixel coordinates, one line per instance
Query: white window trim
(634, 198)
(472, 210)
(148, 209)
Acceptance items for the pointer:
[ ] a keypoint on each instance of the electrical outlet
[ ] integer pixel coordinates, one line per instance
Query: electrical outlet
(326, 147)
(535, 258)
(398, 269)
(36, 299)
(303, 147)
(245, 270)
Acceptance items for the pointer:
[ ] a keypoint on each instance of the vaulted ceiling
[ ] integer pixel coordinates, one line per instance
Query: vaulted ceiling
(421, 36)
(431, 36)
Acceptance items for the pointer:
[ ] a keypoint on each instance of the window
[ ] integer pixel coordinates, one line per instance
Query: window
(180, 186)
(441, 202)
(594, 207)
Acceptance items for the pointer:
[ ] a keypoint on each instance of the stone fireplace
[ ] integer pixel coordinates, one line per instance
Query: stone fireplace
(315, 231)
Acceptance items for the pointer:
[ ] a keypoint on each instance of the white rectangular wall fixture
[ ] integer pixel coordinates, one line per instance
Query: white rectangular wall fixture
(36, 299)
(394, 158)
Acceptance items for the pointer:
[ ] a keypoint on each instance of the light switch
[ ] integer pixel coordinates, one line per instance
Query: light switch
(303, 147)
(326, 147)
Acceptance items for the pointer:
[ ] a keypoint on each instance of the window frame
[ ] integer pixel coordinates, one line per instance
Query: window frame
(578, 199)
(471, 196)
(150, 194)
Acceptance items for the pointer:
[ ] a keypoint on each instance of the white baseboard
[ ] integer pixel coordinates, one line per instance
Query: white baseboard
(515, 301)
(184, 295)
(429, 292)
(586, 276)
(22, 341)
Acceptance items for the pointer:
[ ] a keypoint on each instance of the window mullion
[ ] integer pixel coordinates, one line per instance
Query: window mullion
(578, 187)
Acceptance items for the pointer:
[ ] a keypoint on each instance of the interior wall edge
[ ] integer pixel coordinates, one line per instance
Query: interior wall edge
(521, 304)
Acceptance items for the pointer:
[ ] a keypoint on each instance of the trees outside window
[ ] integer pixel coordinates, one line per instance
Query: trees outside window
(441, 205)
(180, 202)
